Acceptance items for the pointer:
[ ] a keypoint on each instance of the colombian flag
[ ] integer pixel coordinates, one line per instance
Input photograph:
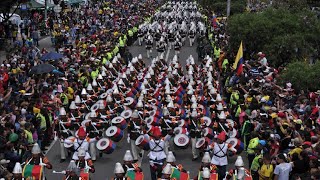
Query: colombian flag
(214, 21)
(237, 66)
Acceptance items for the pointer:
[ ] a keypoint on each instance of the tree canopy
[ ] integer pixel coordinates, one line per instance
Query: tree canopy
(282, 34)
(220, 6)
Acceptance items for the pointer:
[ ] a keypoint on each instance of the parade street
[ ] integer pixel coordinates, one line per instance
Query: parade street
(105, 165)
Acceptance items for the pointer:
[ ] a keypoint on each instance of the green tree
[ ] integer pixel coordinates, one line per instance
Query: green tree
(302, 75)
(283, 35)
(220, 6)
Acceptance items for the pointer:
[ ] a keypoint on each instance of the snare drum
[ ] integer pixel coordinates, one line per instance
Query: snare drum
(119, 122)
(201, 143)
(114, 133)
(143, 142)
(236, 144)
(181, 141)
(66, 145)
(126, 114)
(128, 101)
(106, 145)
(180, 130)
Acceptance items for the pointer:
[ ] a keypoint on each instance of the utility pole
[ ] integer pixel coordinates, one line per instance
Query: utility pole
(228, 7)
(45, 9)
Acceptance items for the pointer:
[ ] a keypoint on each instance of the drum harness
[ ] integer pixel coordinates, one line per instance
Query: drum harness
(157, 145)
(220, 150)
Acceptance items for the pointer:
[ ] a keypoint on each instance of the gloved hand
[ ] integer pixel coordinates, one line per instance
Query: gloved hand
(43, 164)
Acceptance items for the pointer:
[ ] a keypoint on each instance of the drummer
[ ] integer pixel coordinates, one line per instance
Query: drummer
(134, 131)
(166, 172)
(234, 173)
(195, 133)
(220, 151)
(38, 158)
(17, 172)
(128, 163)
(206, 164)
(172, 161)
(119, 172)
(72, 172)
(83, 160)
(156, 155)
(81, 141)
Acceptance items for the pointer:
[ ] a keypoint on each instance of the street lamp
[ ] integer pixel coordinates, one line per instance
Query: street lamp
(228, 7)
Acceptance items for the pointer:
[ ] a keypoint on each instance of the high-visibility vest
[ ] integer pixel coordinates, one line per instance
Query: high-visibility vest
(43, 123)
(65, 100)
(29, 136)
(104, 60)
(121, 43)
(115, 50)
(109, 55)
(94, 74)
(252, 144)
(130, 33)
(135, 29)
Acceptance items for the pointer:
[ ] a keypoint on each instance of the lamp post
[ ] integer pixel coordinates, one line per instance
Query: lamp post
(228, 7)
(45, 9)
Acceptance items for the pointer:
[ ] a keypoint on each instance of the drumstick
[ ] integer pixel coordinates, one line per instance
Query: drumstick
(222, 128)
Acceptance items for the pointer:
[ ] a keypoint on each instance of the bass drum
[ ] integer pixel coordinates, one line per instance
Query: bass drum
(181, 141)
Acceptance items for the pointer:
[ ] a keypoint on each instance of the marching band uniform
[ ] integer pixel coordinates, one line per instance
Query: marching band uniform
(239, 172)
(220, 158)
(83, 160)
(191, 37)
(38, 158)
(128, 165)
(119, 172)
(134, 132)
(72, 172)
(149, 44)
(156, 154)
(161, 47)
(166, 172)
(82, 141)
(177, 47)
(195, 133)
(206, 160)
(17, 172)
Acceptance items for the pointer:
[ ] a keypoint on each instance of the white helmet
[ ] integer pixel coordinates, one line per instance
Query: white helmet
(17, 168)
(118, 168)
(170, 157)
(36, 149)
(167, 169)
(128, 156)
(206, 173)
(239, 162)
(206, 158)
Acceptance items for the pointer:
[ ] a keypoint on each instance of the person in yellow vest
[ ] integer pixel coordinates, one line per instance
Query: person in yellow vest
(216, 52)
(253, 143)
(121, 46)
(64, 98)
(130, 38)
(94, 73)
(257, 162)
(28, 133)
(109, 56)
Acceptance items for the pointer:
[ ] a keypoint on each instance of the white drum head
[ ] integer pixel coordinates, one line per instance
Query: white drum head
(181, 140)
(111, 131)
(102, 144)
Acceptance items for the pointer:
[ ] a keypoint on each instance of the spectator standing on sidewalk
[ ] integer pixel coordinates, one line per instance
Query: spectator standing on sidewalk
(35, 36)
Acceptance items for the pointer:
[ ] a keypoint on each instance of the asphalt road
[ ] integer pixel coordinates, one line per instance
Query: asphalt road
(105, 165)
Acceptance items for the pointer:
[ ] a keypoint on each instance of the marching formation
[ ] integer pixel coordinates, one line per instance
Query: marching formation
(163, 106)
